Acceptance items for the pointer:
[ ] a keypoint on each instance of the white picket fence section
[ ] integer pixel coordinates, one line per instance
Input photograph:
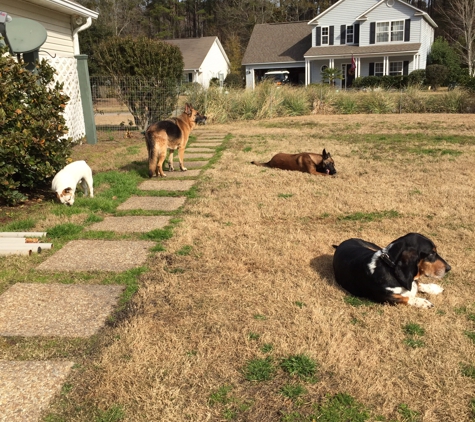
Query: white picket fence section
(66, 68)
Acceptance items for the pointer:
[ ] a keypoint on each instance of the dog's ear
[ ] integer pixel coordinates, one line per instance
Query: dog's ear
(324, 154)
(406, 267)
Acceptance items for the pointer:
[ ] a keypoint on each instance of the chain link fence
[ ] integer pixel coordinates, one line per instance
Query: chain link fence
(132, 103)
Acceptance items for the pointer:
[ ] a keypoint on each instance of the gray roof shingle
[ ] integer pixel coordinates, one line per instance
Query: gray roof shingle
(275, 43)
(348, 50)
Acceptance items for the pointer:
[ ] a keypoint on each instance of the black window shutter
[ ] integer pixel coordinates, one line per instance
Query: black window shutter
(372, 33)
(332, 34)
(371, 69)
(405, 68)
(318, 36)
(357, 33)
(407, 31)
(343, 34)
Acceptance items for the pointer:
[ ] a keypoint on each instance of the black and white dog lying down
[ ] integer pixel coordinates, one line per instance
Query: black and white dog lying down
(391, 274)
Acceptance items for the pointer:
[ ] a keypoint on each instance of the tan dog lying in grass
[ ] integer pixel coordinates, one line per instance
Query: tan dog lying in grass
(306, 162)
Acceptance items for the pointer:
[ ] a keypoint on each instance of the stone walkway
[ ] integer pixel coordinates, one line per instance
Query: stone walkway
(80, 311)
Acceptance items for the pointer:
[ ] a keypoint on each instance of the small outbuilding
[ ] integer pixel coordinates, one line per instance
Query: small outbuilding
(204, 59)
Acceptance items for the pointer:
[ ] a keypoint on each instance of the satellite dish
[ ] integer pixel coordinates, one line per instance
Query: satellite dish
(24, 35)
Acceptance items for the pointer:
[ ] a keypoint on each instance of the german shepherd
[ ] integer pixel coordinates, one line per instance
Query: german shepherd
(168, 135)
(306, 162)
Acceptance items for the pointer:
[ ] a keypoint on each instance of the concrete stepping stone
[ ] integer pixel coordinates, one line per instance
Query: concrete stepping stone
(153, 203)
(98, 255)
(165, 184)
(195, 164)
(193, 149)
(60, 310)
(198, 155)
(178, 174)
(132, 224)
(207, 143)
(27, 387)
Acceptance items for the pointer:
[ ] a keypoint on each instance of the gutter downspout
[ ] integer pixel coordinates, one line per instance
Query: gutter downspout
(75, 34)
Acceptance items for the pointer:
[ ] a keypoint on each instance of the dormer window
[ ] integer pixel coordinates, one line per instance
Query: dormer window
(325, 35)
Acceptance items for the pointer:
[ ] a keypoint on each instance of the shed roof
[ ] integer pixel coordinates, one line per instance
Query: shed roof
(278, 42)
(194, 50)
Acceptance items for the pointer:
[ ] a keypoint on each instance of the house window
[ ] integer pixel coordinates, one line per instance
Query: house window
(378, 69)
(395, 68)
(325, 35)
(350, 38)
(187, 77)
(390, 31)
(323, 68)
(397, 31)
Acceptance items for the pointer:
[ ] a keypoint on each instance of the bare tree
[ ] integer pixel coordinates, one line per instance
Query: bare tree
(460, 18)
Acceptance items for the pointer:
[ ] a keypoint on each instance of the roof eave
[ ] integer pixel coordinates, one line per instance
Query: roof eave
(66, 6)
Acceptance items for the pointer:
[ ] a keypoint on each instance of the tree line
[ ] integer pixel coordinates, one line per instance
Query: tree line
(232, 21)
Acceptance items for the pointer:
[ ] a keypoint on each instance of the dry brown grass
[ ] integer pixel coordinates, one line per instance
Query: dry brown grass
(261, 262)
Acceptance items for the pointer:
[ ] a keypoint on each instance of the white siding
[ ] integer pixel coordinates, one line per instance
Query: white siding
(427, 38)
(213, 64)
(344, 14)
(58, 26)
(397, 12)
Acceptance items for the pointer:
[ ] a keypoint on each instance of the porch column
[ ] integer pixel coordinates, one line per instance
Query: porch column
(331, 63)
(385, 65)
(307, 72)
(358, 67)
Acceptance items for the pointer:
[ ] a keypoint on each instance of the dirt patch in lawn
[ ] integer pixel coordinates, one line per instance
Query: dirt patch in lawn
(247, 277)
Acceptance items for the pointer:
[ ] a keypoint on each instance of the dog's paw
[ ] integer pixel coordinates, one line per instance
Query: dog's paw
(171, 168)
(431, 288)
(419, 302)
(184, 169)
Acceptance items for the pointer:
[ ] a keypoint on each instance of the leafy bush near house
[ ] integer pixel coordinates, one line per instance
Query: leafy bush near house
(32, 145)
(436, 75)
(417, 77)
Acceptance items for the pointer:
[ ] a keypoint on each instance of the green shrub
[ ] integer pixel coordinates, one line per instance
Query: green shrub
(436, 75)
(234, 80)
(32, 146)
(147, 73)
(417, 77)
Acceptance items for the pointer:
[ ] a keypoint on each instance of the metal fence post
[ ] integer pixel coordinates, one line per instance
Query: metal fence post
(86, 98)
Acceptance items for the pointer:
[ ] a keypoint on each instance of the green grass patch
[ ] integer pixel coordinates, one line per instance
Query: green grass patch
(407, 414)
(267, 348)
(285, 195)
(65, 231)
(220, 396)
(259, 369)
(338, 408)
(260, 317)
(470, 335)
(357, 301)
(413, 329)
(158, 235)
(254, 336)
(467, 370)
(20, 226)
(185, 250)
(129, 279)
(300, 366)
(293, 391)
(367, 217)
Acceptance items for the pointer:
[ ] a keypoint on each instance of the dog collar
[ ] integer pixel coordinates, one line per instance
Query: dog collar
(385, 258)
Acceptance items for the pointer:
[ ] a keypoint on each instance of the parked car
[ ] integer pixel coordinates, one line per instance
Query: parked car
(280, 77)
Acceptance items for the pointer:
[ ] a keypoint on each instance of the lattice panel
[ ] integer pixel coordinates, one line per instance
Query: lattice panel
(73, 114)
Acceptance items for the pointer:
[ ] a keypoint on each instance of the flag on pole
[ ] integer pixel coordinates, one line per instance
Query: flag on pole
(353, 66)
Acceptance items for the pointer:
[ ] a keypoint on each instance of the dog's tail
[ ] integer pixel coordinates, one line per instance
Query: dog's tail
(259, 164)
(150, 142)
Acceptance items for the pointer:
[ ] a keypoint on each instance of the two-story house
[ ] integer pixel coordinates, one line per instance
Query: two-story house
(360, 37)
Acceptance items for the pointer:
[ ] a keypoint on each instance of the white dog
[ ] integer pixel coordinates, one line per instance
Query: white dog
(66, 180)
